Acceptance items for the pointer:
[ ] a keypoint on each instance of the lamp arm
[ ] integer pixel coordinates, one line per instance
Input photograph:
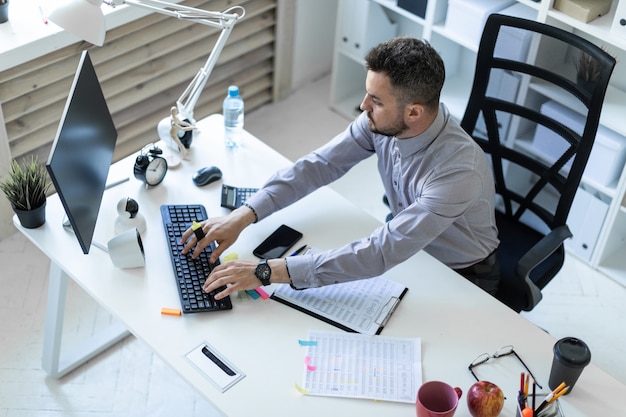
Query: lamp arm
(186, 103)
(221, 20)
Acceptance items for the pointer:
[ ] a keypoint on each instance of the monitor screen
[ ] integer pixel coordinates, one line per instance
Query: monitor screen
(82, 152)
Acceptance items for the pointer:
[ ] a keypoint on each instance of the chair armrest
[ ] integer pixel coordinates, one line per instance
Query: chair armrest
(537, 254)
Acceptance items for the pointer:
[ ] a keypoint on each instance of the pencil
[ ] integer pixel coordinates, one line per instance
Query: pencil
(526, 385)
(556, 396)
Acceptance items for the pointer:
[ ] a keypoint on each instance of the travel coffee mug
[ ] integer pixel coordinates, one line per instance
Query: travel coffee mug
(571, 355)
(437, 399)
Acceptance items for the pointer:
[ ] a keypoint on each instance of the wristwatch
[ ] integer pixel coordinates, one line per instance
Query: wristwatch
(263, 272)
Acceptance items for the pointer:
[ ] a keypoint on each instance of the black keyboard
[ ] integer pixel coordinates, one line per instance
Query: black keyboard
(190, 273)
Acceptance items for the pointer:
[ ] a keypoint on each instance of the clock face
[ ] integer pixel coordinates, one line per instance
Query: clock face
(156, 170)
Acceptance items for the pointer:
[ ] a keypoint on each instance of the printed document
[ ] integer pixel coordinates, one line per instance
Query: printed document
(362, 306)
(339, 364)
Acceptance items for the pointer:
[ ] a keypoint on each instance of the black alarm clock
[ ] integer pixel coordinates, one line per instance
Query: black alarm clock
(150, 167)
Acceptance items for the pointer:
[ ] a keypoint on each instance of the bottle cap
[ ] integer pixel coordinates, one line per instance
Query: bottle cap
(233, 91)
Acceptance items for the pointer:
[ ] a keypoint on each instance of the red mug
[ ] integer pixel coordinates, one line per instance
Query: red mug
(437, 399)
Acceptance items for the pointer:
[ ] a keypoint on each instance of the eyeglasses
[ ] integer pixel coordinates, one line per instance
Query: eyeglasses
(503, 351)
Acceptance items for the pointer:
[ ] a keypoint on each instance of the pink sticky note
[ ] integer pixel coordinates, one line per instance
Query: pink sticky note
(262, 293)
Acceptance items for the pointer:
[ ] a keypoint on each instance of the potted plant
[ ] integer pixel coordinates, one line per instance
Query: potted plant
(25, 186)
(587, 70)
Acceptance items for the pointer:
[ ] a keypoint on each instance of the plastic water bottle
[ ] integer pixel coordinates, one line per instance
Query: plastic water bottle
(232, 110)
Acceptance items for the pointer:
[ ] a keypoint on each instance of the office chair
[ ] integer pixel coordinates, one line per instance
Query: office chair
(534, 192)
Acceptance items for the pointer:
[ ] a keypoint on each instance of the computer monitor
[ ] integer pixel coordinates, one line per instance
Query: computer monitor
(82, 152)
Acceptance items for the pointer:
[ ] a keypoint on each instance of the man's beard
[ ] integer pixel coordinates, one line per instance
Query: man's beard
(397, 128)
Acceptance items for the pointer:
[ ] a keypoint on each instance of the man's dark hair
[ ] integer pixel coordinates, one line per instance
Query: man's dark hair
(415, 69)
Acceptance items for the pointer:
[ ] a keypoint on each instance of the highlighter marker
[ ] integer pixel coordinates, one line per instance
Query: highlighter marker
(197, 230)
(171, 311)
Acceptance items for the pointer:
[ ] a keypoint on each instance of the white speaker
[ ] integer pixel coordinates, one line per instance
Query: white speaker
(126, 249)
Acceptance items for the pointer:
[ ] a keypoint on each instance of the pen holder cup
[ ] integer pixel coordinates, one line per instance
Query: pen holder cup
(551, 410)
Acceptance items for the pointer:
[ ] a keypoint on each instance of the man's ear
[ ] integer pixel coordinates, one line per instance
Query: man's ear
(413, 112)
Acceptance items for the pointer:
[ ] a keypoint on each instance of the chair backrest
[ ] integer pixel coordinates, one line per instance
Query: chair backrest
(563, 170)
(521, 112)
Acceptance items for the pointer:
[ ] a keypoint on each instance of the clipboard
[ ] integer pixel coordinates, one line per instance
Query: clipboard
(362, 306)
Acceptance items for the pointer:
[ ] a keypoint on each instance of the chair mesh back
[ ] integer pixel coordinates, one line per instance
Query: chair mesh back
(533, 117)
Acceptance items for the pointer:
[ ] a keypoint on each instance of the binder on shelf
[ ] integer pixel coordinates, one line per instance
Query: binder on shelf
(417, 7)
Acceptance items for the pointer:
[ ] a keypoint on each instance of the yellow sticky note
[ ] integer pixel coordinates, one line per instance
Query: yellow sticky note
(232, 256)
(302, 390)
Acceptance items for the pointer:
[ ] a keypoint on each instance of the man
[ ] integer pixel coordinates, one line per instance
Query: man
(437, 180)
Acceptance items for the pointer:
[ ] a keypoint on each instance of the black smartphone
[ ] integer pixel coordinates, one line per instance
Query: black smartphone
(277, 243)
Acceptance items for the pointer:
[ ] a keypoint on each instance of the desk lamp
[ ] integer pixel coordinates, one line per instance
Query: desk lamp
(84, 18)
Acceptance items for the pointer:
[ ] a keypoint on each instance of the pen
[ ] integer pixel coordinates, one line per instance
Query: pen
(534, 385)
(521, 398)
(550, 398)
(299, 250)
(114, 183)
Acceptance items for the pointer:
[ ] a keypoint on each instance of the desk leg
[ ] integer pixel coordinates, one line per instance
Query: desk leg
(53, 362)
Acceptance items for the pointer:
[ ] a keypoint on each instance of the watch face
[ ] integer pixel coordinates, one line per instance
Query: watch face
(156, 170)
(263, 272)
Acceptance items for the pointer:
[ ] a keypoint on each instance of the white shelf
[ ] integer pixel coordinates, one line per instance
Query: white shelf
(612, 112)
(599, 28)
(455, 94)
(459, 55)
(609, 191)
(615, 267)
(347, 106)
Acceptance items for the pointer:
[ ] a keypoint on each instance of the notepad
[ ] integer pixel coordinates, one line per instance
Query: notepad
(362, 306)
(351, 365)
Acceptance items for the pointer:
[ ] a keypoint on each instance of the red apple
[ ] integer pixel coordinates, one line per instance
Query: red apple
(485, 399)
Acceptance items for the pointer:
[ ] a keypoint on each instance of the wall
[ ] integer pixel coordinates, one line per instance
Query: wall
(313, 40)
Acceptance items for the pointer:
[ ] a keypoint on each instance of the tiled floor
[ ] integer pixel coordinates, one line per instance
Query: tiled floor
(129, 380)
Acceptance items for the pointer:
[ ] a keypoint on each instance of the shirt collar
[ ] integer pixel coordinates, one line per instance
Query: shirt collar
(417, 143)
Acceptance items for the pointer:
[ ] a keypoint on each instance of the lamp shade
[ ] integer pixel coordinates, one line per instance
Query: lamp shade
(82, 18)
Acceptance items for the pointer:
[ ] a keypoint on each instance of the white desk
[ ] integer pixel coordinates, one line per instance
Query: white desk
(455, 320)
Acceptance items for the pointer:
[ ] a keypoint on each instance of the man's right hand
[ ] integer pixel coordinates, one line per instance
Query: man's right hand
(224, 230)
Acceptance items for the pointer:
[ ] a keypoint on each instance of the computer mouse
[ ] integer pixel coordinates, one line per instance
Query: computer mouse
(206, 175)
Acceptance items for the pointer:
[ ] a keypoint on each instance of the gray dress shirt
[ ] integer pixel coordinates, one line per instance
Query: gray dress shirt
(440, 189)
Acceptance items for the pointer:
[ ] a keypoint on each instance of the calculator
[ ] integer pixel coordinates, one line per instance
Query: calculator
(234, 197)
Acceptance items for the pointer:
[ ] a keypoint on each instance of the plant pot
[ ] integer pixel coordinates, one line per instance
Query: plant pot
(4, 12)
(587, 85)
(31, 219)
